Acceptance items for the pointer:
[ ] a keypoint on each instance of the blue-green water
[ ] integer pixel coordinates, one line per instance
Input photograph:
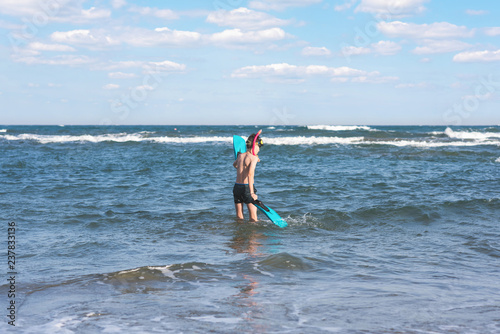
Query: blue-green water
(132, 229)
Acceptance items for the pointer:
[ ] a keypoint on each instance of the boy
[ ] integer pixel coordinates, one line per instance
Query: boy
(244, 190)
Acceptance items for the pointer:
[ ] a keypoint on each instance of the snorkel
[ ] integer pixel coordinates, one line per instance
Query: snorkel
(255, 140)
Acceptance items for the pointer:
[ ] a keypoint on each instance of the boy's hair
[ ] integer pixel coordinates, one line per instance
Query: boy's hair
(249, 141)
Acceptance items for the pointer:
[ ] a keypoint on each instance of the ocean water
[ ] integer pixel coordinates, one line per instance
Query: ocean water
(131, 229)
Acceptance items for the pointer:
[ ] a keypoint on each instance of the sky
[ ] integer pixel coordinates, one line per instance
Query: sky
(238, 62)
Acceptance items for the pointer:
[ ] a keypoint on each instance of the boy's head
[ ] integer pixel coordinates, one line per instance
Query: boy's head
(254, 141)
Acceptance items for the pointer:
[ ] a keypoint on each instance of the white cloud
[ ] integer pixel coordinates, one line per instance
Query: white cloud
(39, 13)
(118, 65)
(384, 48)
(424, 31)
(345, 6)
(163, 36)
(236, 36)
(117, 4)
(375, 79)
(90, 14)
(477, 56)
(280, 4)
(80, 16)
(355, 51)
(64, 60)
(160, 36)
(146, 66)
(295, 74)
(121, 75)
(138, 37)
(392, 8)
(145, 87)
(10, 26)
(111, 86)
(482, 97)
(315, 51)
(285, 69)
(245, 18)
(412, 85)
(493, 31)
(21, 7)
(440, 46)
(476, 12)
(166, 14)
(50, 47)
(164, 66)
(84, 37)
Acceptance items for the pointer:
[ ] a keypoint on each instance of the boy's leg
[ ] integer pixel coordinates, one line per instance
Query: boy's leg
(239, 210)
(252, 210)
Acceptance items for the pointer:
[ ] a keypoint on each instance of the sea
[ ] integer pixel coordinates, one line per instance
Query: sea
(132, 229)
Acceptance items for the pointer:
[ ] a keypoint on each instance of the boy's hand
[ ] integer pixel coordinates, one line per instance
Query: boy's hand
(254, 196)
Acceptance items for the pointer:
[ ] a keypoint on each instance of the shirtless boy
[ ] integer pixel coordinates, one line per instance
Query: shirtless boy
(244, 189)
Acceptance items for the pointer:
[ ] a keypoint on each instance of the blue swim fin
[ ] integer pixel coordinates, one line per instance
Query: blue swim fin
(270, 213)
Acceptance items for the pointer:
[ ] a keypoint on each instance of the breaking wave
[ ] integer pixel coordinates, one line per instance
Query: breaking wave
(473, 135)
(446, 138)
(338, 127)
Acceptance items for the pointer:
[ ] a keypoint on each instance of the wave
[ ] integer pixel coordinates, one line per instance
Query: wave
(497, 160)
(3, 130)
(474, 135)
(119, 138)
(302, 140)
(147, 136)
(338, 127)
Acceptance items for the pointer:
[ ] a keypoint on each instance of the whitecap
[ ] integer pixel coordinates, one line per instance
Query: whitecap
(290, 140)
(165, 271)
(481, 136)
(338, 127)
(302, 140)
(120, 138)
(214, 319)
(497, 160)
(3, 130)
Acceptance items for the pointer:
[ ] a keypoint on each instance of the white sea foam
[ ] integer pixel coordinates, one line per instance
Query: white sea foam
(302, 140)
(59, 325)
(120, 138)
(3, 130)
(164, 270)
(497, 160)
(289, 140)
(471, 135)
(426, 144)
(214, 319)
(338, 127)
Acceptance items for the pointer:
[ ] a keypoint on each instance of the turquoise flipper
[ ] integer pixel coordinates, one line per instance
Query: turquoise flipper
(270, 213)
(239, 146)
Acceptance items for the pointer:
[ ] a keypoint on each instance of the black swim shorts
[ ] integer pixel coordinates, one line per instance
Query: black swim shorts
(241, 193)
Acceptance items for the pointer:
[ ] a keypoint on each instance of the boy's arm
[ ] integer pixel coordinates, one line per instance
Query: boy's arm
(235, 163)
(251, 173)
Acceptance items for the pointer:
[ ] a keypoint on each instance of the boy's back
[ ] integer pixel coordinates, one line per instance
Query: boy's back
(245, 167)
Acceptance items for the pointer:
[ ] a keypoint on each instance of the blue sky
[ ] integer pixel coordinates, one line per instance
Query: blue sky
(269, 62)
